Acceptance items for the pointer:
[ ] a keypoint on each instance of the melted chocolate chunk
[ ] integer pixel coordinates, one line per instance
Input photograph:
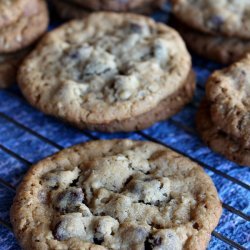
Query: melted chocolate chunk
(59, 233)
(98, 241)
(74, 55)
(69, 200)
(135, 28)
(216, 22)
(152, 241)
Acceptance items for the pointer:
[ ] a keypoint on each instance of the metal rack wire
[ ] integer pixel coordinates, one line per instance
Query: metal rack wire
(9, 118)
(90, 136)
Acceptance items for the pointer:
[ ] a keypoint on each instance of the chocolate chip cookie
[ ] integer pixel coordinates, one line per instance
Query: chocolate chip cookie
(106, 71)
(25, 30)
(228, 91)
(69, 10)
(219, 48)
(218, 140)
(118, 194)
(227, 17)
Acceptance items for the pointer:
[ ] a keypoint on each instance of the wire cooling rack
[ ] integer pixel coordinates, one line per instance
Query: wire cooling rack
(27, 136)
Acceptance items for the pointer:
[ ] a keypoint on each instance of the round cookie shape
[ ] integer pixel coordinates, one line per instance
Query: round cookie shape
(111, 5)
(228, 91)
(11, 10)
(226, 17)
(222, 49)
(25, 30)
(118, 194)
(8, 67)
(218, 140)
(105, 68)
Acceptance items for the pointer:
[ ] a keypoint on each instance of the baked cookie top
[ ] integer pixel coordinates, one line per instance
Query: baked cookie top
(25, 30)
(105, 67)
(117, 194)
(228, 17)
(228, 91)
(11, 10)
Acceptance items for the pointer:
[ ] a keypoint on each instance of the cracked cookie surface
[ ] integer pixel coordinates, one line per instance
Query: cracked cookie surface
(25, 30)
(118, 194)
(228, 17)
(228, 91)
(108, 67)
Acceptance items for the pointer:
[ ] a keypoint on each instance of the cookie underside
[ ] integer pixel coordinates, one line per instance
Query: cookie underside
(218, 140)
(224, 50)
(68, 10)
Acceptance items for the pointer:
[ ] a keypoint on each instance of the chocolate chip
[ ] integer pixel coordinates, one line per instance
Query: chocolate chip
(135, 188)
(74, 182)
(128, 180)
(196, 226)
(135, 28)
(148, 179)
(152, 241)
(59, 233)
(98, 241)
(69, 200)
(157, 241)
(163, 239)
(74, 55)
(216, 21)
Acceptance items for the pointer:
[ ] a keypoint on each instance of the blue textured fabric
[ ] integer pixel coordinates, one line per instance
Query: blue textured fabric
(27, 135)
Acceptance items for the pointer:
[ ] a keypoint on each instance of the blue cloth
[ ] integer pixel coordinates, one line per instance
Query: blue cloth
(27, 135)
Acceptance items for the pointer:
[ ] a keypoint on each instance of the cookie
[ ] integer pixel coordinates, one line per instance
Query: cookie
(166, 108)
(8, 67)
(69, 10)
(105, 69)
(218, 48)
(11, 10)
(229, 18)
(25, 30)
(228, 91)
(111, 5)
(218, 140)
(118, 194)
